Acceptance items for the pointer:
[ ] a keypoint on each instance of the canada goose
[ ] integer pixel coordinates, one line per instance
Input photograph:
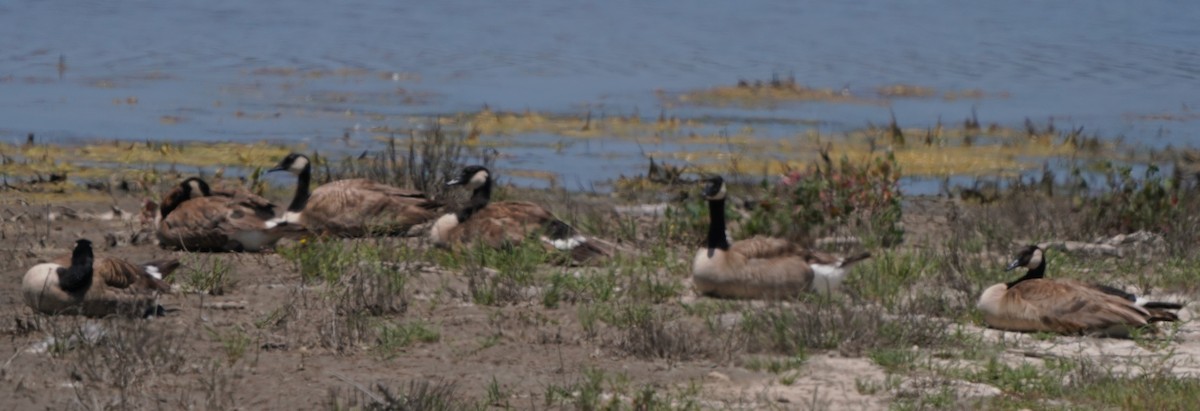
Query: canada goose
(194, 187)
(195, 218)
(507, 223)
(352, 208)
(760, 267)
(95, 287)
(1033, 303)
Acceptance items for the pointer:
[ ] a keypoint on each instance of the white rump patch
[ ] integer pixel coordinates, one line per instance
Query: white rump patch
(153, 272)
(290, 217)
(827, 278)
(567, 243)
(1141, 301)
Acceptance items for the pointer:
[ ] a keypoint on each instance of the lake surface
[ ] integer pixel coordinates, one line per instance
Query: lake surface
(314, 71)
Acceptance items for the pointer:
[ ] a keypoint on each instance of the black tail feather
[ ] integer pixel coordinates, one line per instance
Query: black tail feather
(846, 262)
(1161, 305)
(1158, 316)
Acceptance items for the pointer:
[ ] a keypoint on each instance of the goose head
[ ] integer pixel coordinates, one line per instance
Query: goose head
(1030, 257)
(714, 188)
(472, 177)
(194, 187)
(294, 163)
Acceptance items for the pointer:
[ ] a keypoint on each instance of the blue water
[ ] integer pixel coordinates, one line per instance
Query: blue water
(1100, 64)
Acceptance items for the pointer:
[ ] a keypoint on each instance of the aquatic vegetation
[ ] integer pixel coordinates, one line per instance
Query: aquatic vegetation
(915, 91)
(932, 152)
(759, 94)
(487, 122)
(86, 172)
(723, 145)
(35, 159)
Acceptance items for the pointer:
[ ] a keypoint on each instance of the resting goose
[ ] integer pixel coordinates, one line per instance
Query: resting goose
(195, 218)
(1033, 303)
(351, 208)
(507, 223)
(760, 267)
(85, 285)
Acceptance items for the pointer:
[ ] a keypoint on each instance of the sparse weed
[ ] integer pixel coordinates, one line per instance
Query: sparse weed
(393, 337)
(503, 276)
(888, 277)
(825, 324)
(894, 359)
(775, 365)
(208, 274)
(234, 342)
(497, 396)
(327, 259)
(424, 395)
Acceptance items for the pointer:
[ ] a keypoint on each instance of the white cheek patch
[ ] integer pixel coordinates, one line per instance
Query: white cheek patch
(298, 165)
(196, 191)
(479, 179)
(720, 195)
(1035, 260)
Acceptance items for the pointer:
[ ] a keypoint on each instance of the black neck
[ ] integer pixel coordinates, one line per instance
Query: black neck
(79, 275)
(716, 225)
(1034, 272)
(169, 203)
(302, 190)
(479, 199)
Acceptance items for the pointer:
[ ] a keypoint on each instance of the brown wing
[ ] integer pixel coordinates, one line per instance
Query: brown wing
(766, 247)
(818, 257)
(120, 274)
(262, 207)
(504, 222)
(356, 207)
(1068, 307)
(368, 185)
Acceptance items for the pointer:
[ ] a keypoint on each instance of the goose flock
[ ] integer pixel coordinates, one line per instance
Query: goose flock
(194, 217)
